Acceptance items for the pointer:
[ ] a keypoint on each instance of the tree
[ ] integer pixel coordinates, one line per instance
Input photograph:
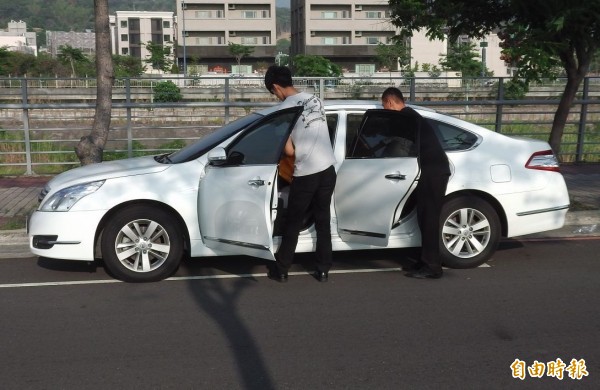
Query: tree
(432, 70)
(127, 66)
(167, 91)
(315, 66)
(71, 55)
(239, 51)
(461, 58)
(538, 35)
(4, 61)
(395, 56)
(160, 56)
(283, 45)
(90, 148)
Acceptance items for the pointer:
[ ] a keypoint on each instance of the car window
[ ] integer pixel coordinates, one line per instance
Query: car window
(263, 143)
(332, 122)
(452, 137)
(205, 144)
(386, 134)
(353, 122)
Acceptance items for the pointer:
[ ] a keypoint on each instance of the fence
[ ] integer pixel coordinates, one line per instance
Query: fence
(42, 120)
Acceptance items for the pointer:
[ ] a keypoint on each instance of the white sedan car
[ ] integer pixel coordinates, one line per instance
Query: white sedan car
(222, 195)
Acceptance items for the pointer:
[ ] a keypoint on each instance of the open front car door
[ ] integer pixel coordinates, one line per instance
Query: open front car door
(236, 194)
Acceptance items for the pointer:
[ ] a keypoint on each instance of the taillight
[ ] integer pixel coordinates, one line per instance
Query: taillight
(544, 160)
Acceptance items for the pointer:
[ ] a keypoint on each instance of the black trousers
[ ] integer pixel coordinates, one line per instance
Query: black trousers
(308, 192)
(430, 199)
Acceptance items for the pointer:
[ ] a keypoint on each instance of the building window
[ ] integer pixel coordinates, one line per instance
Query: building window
(210, 14)
(249, 40)
(364, 68)
(124, 23)
(329, 15)
(124, 38)
(166, 24)
(124, 51)
(372, 40)
(329, 41)
(205, 41)
(373, 15)
(249, 14)
(156, 24)
(166, 38)
(134, 39)
(134, 24)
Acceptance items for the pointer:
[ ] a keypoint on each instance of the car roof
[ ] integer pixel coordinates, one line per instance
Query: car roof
(331, 105)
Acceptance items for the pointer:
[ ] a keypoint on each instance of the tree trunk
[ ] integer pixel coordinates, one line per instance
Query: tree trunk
(577, 62)
(562, 113)
(90, 147)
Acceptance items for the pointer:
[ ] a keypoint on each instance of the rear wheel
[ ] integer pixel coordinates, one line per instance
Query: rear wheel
(142, 244)
(470, 232)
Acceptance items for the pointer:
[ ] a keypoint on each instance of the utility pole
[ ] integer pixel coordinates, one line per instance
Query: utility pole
(483, 45)
(183, 33)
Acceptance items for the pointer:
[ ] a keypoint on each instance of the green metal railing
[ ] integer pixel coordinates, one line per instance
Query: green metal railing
(42, 119)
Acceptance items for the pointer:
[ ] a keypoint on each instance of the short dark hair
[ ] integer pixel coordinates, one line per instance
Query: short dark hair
(280, 75)
(392, 92)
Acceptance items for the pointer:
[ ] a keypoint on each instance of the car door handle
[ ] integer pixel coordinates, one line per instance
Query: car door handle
(396, 176)
(256, 182)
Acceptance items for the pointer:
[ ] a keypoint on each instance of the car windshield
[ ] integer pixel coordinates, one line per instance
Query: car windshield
(205, 144)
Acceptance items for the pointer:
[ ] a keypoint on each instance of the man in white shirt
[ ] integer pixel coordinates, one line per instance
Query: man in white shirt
(314, 175)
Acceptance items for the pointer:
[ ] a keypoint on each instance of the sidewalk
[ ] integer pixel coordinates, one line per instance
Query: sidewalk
(18, 196)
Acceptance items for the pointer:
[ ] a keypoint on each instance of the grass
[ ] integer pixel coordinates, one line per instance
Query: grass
(12, 223)
(54, 157)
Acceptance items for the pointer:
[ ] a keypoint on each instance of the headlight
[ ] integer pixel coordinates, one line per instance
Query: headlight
(66, 198)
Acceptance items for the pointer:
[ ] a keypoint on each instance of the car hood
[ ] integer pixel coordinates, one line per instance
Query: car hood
(108, 170)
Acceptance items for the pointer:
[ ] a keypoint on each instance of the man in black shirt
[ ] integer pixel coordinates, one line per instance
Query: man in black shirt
(431, 189)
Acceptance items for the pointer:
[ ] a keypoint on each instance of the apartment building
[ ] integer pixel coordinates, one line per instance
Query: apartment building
(346, 32)
(132, 30)
(16, 38)
(85, 41)
(206, 27)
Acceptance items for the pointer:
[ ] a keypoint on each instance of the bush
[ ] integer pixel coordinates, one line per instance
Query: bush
(167, 91)
(515, 90)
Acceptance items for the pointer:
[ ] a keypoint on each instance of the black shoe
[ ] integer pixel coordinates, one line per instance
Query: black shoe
(321, 276)
(277, 276)
(424, 273)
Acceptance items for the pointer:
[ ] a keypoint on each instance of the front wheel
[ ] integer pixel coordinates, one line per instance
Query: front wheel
(470, 232)
(142, 244)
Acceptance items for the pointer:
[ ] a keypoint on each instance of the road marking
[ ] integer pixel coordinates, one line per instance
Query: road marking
(68, 283)
(200, 277)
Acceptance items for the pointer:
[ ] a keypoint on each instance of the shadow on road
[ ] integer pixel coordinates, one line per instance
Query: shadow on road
(219, 299)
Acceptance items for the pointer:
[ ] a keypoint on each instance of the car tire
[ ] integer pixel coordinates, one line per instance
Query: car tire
(142, 244)
(470, 232)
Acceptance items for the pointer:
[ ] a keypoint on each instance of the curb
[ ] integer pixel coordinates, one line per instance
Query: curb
(587, 217)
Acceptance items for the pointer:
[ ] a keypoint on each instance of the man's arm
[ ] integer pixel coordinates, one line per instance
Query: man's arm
(288, 150)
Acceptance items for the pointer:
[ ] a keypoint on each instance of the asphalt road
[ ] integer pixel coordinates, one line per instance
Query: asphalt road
(221, 324)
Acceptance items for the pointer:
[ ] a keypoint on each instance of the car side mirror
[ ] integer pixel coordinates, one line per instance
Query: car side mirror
(217, 156)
